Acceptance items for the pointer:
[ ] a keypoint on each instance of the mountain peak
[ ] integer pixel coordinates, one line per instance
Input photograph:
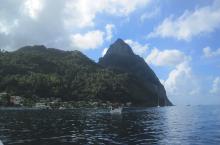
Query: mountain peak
(121, 58)
(119, 47)
(119, 40)
(32, 48)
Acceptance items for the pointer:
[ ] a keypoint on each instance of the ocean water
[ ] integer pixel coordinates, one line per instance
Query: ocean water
(165, 125)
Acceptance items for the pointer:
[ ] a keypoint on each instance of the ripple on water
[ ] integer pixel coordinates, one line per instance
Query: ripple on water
(168, 125)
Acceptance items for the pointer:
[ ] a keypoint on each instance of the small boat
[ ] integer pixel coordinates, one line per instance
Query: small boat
(1, 142)
(116, 110)
(158, 102)
(61, 108)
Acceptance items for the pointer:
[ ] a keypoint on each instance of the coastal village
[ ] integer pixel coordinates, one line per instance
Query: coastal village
(7, 100)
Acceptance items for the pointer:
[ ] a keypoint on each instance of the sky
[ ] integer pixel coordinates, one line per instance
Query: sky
(178, 39)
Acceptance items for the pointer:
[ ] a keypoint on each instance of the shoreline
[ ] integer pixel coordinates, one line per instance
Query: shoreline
(79, 108)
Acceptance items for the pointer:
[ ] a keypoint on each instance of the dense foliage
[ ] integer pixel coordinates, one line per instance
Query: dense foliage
(40, 72)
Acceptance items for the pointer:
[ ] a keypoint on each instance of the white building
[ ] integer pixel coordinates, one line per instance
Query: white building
(41, 106)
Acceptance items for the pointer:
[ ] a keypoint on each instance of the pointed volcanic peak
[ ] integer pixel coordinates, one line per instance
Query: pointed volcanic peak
(119, 47)
(120, 57)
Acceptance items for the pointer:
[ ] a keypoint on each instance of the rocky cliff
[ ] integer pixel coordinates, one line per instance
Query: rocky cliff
(120, 57)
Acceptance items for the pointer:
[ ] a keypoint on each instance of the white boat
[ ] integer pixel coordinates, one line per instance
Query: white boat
(61, 108)
(116, 110)
(1, 142)
(42, 106)
(158, 102)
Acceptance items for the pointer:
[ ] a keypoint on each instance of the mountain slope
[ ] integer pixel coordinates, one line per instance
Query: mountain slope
(120, 57)
(40, 72)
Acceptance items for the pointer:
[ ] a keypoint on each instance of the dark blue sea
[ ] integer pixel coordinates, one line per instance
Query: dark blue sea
(186, 125)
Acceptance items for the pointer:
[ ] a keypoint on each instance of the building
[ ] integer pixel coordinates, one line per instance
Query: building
(16, 100)
(42, 106)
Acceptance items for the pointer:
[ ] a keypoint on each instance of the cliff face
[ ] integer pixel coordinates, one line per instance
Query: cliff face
(120, 57)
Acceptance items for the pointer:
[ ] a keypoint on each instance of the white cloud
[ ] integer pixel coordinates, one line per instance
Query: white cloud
(85, 11)
(124, 7)
(137, 47)
(171, 57)
(104, 51)
(33, 7)
(81, 13)
(89, 40)
(189, 24)
(181, 84)
(149, 15)
(216, 86)
(209, 53)
(52, 22)
(4, 28)
(109, 31)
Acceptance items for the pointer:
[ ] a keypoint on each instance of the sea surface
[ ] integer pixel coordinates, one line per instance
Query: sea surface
(165, 125)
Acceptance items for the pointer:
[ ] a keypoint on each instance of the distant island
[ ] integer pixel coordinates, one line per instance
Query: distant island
(40, 76)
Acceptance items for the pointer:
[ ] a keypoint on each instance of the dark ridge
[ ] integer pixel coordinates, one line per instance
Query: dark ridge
(120, 57)
(119, 47)
(120, 76)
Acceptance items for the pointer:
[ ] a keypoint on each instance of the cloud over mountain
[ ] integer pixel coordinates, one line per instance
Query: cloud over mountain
(53, 22)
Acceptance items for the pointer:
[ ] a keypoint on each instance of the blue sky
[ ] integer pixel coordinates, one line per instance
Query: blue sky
(178, 39)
